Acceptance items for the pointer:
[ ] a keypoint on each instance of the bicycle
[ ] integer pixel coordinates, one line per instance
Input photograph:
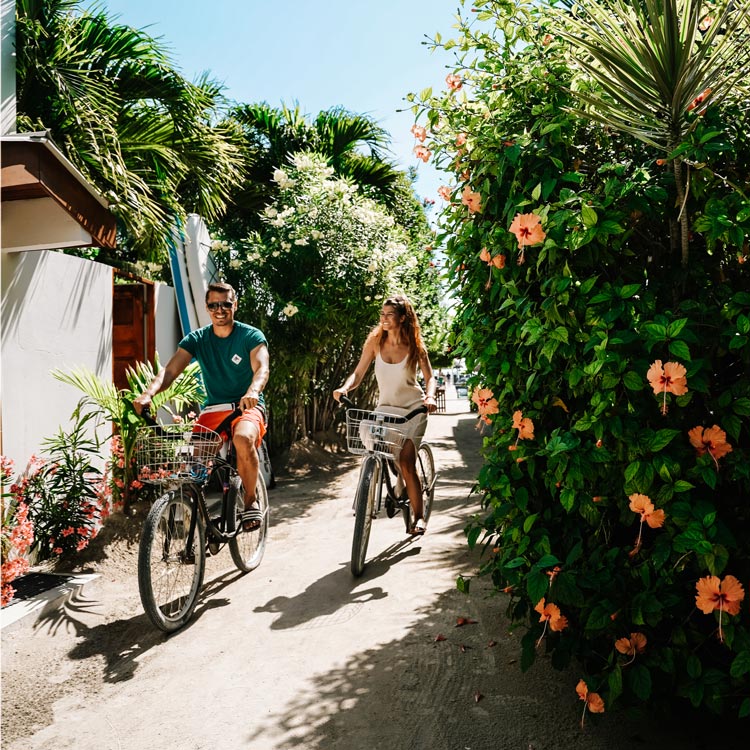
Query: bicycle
(378, 438)
(191, 464)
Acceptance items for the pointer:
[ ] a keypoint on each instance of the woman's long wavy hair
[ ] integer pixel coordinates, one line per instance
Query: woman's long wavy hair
(410, 328)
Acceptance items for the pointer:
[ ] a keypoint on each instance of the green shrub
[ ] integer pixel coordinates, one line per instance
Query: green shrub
(564, 327)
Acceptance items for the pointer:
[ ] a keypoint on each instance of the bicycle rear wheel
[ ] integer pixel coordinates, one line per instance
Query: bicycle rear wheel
(169, 574)
(364, 507)
(247, 547)
(426, 473)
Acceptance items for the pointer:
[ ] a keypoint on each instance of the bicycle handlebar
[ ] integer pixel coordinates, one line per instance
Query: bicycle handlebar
(388, 418)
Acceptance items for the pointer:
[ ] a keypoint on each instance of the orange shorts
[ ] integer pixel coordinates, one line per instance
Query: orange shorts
(213, 419)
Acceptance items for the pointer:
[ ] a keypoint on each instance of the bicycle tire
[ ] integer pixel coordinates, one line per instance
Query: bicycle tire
(364, 505)
(169, 580)
(426, 473)
(247, 547)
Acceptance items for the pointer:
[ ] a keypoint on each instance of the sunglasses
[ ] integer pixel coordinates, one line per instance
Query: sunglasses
(214, 306)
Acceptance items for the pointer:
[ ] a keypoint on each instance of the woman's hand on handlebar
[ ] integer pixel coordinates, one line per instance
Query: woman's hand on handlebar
(431, 404)
(338, 393)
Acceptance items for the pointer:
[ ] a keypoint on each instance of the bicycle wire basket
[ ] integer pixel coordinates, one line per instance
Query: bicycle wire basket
(373, 432)
(175, 452)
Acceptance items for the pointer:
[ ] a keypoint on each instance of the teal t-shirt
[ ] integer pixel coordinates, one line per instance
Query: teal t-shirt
(224, 362)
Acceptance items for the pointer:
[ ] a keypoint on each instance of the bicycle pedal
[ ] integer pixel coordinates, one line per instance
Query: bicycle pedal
(390, 508)
(213, 548)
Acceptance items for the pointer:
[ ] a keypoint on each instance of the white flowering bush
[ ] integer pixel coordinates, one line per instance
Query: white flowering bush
(314, 278)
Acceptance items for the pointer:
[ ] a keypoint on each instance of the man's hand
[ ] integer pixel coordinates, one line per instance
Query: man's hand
(249, 400)
(141, 402)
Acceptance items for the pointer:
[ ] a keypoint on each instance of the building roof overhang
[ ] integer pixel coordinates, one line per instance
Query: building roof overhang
(47, 203)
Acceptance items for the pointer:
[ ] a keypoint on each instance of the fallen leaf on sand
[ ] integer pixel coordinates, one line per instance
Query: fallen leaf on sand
(460, 621)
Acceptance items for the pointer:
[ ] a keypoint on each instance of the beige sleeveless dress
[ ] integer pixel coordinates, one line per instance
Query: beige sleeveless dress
(399, 393)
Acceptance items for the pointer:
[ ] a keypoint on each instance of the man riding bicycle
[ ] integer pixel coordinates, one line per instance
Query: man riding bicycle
(234, 362)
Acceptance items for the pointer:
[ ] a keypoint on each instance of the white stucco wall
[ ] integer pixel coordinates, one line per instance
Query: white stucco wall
(56, 313)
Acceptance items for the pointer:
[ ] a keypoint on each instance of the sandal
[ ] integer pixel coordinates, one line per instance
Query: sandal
(419, 527)
(251, 518)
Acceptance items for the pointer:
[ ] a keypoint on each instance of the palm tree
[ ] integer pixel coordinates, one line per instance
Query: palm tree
(354, 145)
(122, 114)
(653, 62)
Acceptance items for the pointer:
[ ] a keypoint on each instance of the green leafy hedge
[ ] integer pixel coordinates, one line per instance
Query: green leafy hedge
(567, 339)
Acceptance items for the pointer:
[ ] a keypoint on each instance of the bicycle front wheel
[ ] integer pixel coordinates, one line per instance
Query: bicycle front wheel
(247, 547)
(364, 508)
(170, 572)
(426, 473)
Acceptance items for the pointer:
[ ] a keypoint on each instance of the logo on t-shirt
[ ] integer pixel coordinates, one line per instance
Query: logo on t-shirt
(236, 359)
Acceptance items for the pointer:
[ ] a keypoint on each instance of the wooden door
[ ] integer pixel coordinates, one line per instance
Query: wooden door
(133, 330)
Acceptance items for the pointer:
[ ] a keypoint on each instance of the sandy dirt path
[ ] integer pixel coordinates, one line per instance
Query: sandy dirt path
(299, 654)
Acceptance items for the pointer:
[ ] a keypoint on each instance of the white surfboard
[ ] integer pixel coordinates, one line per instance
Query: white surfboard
(178, 266)
(201, 267)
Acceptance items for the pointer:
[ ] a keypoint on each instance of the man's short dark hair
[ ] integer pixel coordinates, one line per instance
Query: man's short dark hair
(222, 288)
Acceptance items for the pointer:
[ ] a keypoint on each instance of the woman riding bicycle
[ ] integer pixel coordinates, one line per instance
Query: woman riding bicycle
(397, 348)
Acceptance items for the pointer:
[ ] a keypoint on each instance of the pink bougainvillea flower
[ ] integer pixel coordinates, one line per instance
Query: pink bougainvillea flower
(547, 39)
(460, 139)
(445, 193)
(423, 153)
(724, 595)
(591, 701)
(454, 81)
(636, 644)
(471, 199)
(642, 505)
(668, 379)
(528, 231)
(705, 23)
(419, 132)
(486, 404)
(712, 440)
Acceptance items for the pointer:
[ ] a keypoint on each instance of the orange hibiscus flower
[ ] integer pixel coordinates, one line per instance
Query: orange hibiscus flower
(654, 518)
(591, 701)
(486, 404)
(712, 440)
(471, 199)
(419, 132)
(498, 260)
(445, 193)
(550, 615)
(524, 425)
(423, 153)
(528, 231)
(454, 81)
(636, 644)
(668, 379)
(460, 139)
(723, 595)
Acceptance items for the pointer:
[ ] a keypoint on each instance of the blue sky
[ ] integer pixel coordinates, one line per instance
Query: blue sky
(364, 55)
